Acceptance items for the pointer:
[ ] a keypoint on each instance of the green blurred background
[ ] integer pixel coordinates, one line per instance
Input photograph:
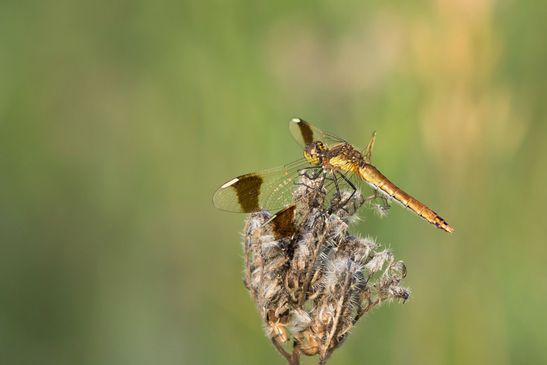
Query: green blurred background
(118, 120)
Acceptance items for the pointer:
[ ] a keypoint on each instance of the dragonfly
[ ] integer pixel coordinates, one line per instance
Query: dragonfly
(333, 156)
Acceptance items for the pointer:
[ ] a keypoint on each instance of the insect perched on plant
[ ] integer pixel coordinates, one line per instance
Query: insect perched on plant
(324, 155)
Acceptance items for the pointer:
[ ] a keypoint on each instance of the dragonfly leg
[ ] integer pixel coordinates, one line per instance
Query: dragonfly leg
(334, 179)
(315, 174)
(353, 190)
(341, 203)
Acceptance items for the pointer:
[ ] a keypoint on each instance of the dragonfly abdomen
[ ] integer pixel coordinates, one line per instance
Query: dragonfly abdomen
(379, 182)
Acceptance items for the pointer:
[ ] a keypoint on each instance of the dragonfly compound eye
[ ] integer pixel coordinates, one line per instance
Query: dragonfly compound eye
(320, 147)
(313, 152)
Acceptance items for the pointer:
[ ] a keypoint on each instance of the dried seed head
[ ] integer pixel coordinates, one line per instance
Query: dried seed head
(336, 270)
(299, 321)
(270, 246)
(378, 261)
(314, 285)
(338, 226)
(380, 210)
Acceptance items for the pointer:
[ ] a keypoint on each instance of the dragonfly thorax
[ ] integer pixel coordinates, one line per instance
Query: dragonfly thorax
(343, 157)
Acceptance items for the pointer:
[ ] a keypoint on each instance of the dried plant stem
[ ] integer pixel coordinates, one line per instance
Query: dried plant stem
(311, 267)
(295, 355)
(291, 358)
(327, 350)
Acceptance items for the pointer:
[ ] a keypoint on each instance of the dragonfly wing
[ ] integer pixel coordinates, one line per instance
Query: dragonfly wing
(269, 189)
(305, 133)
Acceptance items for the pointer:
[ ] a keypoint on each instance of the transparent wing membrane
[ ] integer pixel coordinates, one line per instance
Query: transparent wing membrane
(305, 133)
(268, 189)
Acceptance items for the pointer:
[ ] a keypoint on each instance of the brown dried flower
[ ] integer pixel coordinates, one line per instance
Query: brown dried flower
(313, 281)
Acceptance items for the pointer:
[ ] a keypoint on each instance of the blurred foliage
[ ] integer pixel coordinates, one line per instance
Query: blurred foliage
(118, 120)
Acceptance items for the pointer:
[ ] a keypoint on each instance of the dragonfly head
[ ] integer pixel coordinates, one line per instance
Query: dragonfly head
(314, 152)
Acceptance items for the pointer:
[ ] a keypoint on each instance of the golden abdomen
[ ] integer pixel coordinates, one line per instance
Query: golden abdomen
(379, 182)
